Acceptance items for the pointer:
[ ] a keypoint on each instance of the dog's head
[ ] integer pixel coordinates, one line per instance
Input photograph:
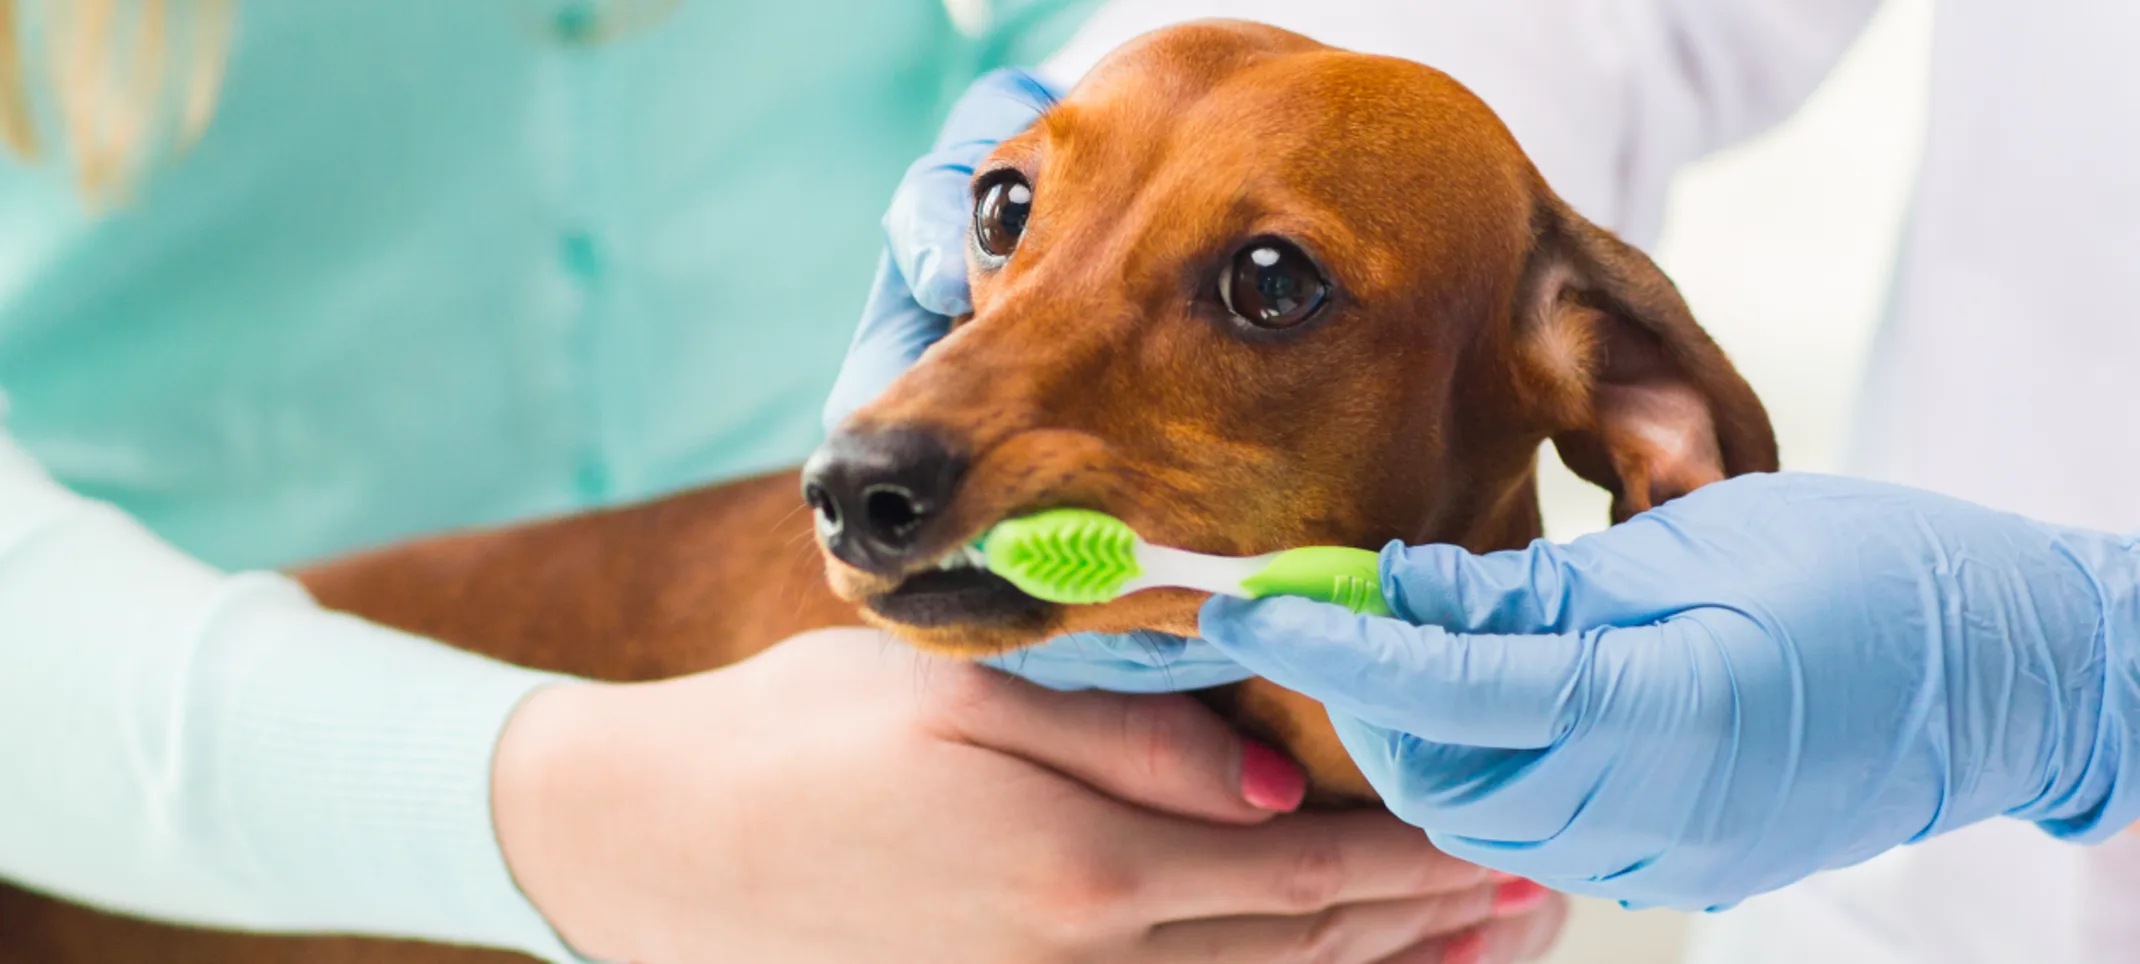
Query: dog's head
(1248, 292)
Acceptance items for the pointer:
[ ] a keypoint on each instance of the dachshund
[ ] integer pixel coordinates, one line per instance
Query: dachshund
(1243, 291)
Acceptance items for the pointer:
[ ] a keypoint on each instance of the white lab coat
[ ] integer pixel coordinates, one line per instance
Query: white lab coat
(2005, 372)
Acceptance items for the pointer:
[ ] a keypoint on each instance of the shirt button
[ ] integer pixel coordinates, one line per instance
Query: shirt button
(580, 255)
(577, 22)
(590, 480)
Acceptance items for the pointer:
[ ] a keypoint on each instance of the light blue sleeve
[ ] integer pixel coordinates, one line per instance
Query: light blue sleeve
(188, 745)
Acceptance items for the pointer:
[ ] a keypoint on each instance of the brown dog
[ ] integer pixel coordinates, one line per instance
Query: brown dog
(1241, 290)
(1260, 294)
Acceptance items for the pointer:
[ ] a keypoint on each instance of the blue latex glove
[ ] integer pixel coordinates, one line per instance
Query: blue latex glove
(921, 280)
(921, 284)
(1137, 663)
(1766, 678)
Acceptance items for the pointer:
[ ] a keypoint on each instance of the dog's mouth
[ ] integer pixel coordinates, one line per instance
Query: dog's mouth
(959, 591)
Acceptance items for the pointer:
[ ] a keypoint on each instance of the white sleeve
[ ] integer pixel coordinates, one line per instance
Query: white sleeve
(184, 744)
(1609, 97)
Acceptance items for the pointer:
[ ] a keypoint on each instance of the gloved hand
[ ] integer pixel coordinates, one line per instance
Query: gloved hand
(921, 284)
(1769, 677)
(921, 280)
(1144, 662)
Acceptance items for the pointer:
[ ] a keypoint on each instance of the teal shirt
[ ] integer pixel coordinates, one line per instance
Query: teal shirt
(449, 262)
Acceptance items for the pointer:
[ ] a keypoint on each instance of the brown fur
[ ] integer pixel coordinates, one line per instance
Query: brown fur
(1476, 317)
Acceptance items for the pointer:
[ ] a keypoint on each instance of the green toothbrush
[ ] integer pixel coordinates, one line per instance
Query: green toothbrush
(1079, 556)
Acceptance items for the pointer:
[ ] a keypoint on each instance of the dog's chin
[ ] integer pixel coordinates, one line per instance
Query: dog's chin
(959, 609)
(964, 611)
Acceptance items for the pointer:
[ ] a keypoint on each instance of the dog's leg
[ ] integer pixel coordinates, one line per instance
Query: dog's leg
(692, 582)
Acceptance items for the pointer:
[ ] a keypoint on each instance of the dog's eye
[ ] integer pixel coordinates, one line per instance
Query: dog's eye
(1000, 213)
(1272, 284)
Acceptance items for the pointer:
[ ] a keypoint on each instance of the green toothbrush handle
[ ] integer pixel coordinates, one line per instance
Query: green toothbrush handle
(1352, 578)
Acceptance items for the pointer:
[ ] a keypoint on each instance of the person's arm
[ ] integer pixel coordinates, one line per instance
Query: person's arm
(1771, 676)
(213, 749)
(191, 745)
(1609, 97)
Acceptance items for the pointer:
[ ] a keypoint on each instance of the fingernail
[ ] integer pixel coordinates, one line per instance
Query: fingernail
(1518, 896)
(1502, 877)
(1467, 949)
(1270, 781)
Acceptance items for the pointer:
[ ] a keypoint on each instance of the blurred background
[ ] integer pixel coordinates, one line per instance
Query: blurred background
(1782, 246)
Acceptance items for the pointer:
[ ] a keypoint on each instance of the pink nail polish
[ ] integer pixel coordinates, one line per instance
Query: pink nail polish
(1269, 781)
(1468, 949)
(1518, 896)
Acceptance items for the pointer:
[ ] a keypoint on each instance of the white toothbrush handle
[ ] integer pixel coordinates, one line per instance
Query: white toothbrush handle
(1162, 566)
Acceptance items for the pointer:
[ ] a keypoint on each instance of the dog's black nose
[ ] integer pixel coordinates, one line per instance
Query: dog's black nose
(876, 492)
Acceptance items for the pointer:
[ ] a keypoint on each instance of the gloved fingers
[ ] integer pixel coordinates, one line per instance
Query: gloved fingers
(921, 283)
(925, 225)
(1471, 791)
(998, 104)
(1512, 692)
(925, 228)
(895, 330)
(1514, 810)
(1543, 588)
(1143, 662)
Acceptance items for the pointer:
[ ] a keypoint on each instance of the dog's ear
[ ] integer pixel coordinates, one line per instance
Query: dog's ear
(1639, 399)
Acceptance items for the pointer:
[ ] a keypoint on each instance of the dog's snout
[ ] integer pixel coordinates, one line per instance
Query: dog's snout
(876, 492)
